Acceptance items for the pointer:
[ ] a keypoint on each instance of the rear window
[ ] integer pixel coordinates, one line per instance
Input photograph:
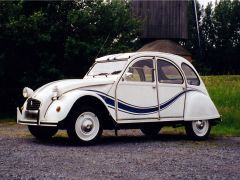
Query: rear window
(190, 74)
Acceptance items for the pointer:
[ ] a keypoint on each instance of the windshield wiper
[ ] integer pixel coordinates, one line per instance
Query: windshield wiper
(115, 72)
(106, 74)
(101, 74)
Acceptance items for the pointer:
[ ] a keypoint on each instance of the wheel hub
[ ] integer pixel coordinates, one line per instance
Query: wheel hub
(87, 125)
(200, 124)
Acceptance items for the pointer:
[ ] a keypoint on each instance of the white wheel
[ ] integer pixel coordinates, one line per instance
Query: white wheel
(198, 130)
(200, 127)
(87, 126)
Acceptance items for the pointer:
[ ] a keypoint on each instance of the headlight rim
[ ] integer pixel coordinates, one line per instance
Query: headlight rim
(55, 93)
(27, 92)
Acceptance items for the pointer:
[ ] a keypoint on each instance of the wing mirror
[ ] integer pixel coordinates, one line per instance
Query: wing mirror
(127, 76)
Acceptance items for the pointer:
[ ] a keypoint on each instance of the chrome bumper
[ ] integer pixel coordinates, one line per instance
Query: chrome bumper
(32, 118)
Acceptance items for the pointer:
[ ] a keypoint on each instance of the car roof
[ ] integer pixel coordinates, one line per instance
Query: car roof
(113, 57)
(129, 56)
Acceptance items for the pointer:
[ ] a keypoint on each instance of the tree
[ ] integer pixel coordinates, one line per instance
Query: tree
(220, 33)
(98, 29)
(45, 41)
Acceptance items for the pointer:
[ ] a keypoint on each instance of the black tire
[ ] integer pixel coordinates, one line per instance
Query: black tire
(151, 131)
(198, 133)
(78, 129)
(42, 132)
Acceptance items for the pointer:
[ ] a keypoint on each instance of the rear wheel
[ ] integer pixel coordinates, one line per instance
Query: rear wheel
(85, 127)
(42, 132)
(198, 130)
(150, 131)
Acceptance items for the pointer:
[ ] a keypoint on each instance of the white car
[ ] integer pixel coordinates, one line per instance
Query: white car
(145, 90)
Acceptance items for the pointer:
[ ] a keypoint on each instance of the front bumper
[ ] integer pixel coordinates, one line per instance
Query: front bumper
(32, 117)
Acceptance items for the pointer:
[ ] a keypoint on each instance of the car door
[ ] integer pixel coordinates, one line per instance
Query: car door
(136, 94)
(171, 90)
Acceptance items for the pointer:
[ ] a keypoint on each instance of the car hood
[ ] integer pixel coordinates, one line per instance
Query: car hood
(70, 84)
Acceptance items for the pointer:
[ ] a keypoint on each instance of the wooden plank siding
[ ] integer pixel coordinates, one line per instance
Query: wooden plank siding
(163, 19)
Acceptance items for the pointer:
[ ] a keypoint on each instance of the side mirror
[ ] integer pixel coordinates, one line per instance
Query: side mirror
(127, 76)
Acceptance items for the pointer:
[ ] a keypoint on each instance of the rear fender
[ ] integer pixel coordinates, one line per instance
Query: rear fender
(199, 106)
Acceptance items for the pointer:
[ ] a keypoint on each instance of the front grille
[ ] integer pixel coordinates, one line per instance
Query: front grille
(33, 104)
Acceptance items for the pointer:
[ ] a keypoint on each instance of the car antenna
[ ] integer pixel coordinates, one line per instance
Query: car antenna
(194, 3)
(102, 46)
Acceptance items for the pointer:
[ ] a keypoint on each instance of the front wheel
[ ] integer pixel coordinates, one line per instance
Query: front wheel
(86, 127)
(198, 130)
(42, 132)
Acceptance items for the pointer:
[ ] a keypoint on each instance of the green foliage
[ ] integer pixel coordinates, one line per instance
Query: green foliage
(44, 41)
(109, 27)
(220, 37)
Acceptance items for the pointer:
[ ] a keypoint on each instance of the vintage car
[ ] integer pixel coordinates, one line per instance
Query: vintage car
(145, 90)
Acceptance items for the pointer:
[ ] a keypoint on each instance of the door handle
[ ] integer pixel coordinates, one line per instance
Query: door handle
(154, 87)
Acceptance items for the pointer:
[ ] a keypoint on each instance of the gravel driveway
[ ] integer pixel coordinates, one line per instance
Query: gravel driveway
(128, 156)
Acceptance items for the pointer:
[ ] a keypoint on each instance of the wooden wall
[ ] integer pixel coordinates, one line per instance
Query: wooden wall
(163, 19)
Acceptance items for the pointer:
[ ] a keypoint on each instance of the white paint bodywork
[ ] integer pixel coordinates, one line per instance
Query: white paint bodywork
(126, 102)
(199, 106)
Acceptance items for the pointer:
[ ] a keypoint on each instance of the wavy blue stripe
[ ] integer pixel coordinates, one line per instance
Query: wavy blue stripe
(137, 110)
(103, 96)
(172, 100)
(132, 109)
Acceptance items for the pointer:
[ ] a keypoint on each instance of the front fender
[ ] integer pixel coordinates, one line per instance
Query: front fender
(66, 102)
(199, 106)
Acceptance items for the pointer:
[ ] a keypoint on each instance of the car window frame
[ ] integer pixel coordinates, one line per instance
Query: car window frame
(195, 72)
(136, 60)
(176, 66)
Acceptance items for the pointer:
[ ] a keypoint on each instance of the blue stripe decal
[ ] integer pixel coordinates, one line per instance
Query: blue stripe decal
(172, 100)
(136, 110)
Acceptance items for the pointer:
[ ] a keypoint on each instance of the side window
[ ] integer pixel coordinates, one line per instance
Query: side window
(141, 70)
(191, 76)
(168, 73)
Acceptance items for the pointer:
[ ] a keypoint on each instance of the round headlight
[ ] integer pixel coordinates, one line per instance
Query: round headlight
(27, 92)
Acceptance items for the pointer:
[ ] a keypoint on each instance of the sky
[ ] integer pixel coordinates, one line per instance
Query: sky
(205, 2)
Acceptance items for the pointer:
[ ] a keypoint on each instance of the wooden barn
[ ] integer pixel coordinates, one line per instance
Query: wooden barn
(165, 21)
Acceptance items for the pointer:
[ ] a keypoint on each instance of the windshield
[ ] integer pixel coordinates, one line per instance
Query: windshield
(107, 68)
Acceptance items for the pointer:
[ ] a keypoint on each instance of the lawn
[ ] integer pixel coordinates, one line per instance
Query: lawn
(225, 93)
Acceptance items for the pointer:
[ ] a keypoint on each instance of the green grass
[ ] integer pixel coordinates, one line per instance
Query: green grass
(225, 93)
(8, 121)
